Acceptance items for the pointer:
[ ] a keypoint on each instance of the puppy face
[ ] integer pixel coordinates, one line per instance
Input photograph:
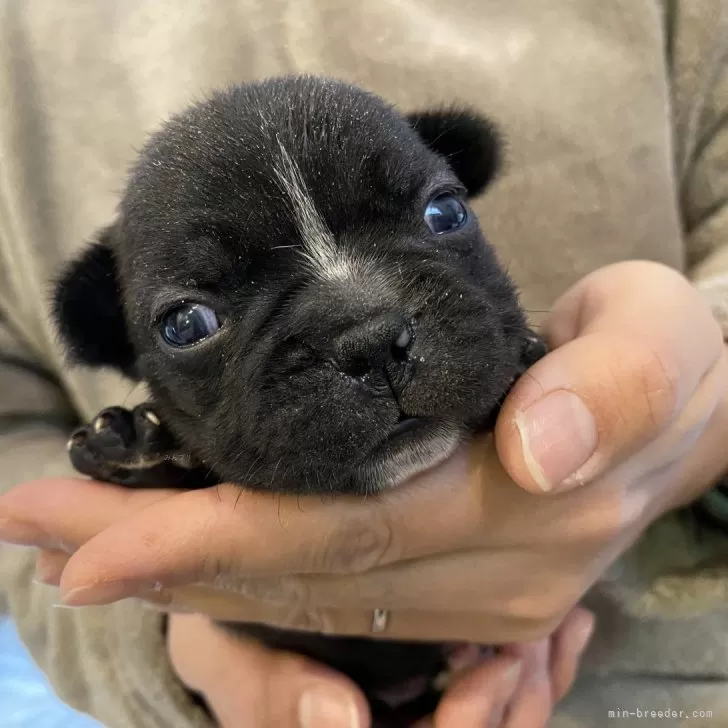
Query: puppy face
(297, 274)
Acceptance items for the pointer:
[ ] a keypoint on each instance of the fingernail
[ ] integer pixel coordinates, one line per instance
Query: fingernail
(322, 708)
(558, 435)
(106, 592)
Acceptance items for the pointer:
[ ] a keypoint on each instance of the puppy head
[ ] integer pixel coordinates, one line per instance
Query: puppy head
(297, 274)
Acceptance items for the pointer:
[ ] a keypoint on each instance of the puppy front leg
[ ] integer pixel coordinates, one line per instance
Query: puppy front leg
(133, 448)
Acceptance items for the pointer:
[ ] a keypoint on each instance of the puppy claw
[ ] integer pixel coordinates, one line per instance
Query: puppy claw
(78, 439)
(152, 417)
(102, 422)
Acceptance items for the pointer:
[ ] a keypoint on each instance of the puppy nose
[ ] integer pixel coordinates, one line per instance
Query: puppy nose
(380, 344)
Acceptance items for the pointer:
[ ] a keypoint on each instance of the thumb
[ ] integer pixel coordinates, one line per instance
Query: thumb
(579, 409)
(245, 683)
(615, 380)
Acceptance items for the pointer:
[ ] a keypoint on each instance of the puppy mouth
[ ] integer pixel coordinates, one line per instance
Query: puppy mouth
(409, 432)
(405, 425)
(411, 446)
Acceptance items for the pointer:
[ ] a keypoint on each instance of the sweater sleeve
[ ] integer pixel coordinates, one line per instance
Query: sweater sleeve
(697, 51)
(697, 54)
(108, 662)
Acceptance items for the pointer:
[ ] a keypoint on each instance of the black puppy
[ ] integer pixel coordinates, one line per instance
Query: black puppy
(296, 274)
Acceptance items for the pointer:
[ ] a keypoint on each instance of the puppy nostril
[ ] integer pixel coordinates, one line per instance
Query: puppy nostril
(401, 345)
(369, 349)
(404, 339)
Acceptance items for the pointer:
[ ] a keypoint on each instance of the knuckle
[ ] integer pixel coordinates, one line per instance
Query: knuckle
(212, 565)
(646, 384)
(539, 617)
(659, 385)
(600, 520)
(308, 619)
(360, 544)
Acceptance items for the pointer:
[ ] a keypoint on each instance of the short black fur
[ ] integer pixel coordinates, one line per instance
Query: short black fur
(88, 309)
(470, 143)
(293, 209)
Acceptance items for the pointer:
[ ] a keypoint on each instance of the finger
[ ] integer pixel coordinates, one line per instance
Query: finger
(222, 530)
(481, 696)
(402, 624)
(64, 513)
(49, 566)
(247, 684)
(603, 395)
(531, 704)
(449, 584)
(224, 607)
(567, 646)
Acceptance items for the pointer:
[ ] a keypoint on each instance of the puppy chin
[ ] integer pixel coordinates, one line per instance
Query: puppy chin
(407, 454)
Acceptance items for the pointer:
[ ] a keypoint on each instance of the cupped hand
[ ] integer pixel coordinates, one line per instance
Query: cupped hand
(631, 405)
(244, 683)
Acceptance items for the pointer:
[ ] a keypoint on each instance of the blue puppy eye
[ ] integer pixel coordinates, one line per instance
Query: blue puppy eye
(444, 214)
(189, 323)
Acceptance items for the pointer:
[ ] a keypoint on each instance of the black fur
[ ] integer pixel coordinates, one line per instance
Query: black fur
(88, 310)
(470, 144)
(277, 399)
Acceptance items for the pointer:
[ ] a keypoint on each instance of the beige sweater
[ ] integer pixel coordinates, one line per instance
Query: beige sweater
(617, 119)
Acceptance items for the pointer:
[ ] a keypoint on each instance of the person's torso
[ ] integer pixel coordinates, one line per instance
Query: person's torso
(579, 90)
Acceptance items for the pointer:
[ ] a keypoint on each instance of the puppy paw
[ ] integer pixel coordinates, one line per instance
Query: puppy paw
(128, 447)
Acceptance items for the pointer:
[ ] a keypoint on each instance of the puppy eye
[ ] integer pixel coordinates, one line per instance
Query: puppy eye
(445, 213)
(189, 323)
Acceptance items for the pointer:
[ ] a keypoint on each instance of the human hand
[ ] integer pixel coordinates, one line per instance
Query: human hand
(508, 562)
(248, 684)
(245, 683)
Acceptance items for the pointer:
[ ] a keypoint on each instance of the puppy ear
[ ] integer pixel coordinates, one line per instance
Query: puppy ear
(88, 310)
(469, 142)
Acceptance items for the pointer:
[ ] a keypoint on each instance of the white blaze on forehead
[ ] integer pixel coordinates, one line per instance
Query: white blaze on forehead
(319, 246)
